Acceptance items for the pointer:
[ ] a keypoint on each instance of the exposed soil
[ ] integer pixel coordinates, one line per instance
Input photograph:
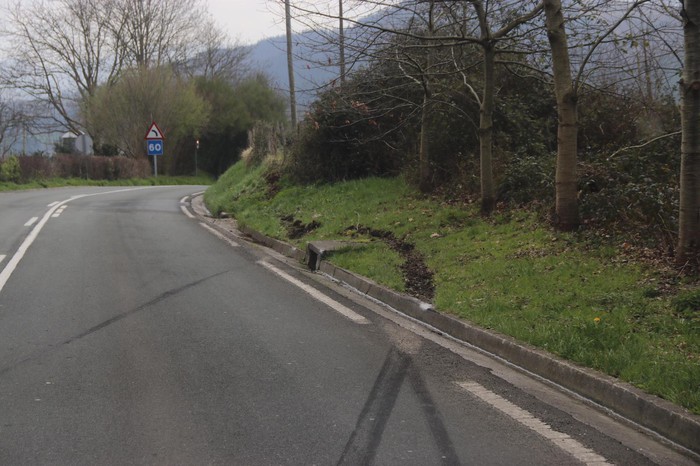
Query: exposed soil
(417, 276)
(296, 229)
(272, 178)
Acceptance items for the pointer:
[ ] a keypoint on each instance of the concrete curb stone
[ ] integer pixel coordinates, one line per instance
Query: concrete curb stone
(665, 418)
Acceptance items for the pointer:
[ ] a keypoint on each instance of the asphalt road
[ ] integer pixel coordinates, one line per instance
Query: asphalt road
(130, 334)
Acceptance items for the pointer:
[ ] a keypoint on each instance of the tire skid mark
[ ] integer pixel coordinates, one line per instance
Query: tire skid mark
(108, 322)
(364, 442)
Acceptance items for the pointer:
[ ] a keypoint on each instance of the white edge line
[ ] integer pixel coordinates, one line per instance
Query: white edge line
(17, 257)
(186, 212)
(197, 193)
(562, 440)
(219, 235)
(336, 306)
(184, 200)
(31, 222)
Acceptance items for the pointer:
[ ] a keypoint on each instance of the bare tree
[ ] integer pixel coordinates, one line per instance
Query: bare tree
(217, 57)
(567, 90)
(458, 27)
(160, 32)
(59, 52)
(13, 124)
(688, 250)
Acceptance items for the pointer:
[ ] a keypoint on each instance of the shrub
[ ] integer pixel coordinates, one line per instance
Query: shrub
(36, 167)
(10, 170)
(526, 179)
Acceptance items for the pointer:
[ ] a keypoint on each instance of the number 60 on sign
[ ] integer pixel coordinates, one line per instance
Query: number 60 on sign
(155, 147)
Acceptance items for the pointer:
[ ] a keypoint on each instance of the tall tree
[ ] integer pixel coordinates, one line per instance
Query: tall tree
(688, 251)
(567, 89)
(488, 41)
(566, 203)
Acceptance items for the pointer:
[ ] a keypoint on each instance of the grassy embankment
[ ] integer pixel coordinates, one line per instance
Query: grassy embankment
(63, 182)
(588, 302)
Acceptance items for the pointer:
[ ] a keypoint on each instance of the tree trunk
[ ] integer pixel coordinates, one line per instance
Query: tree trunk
(290, 66)
(567, 214)
(688, 251)
(488, 193)
(425, 178)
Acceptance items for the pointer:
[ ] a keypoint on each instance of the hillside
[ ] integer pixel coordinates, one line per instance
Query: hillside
(588, 300)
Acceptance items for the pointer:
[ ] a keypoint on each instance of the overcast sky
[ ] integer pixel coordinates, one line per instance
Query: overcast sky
(248, 20)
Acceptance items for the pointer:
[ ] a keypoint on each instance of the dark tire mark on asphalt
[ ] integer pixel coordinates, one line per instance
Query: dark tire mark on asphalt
(112, 320)
(364, 442)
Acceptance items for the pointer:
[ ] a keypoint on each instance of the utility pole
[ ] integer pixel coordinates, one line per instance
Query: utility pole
(290, 65)
(341, 39)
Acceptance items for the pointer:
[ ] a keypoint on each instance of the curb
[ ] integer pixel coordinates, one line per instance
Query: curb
(663, 417)
(651, 412)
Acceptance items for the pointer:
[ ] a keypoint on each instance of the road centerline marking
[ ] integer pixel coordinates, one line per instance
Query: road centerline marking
(31, 237)
(31, 221)
(335, 305)
(560, 439)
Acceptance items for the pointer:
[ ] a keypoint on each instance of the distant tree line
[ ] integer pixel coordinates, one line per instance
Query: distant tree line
(111, 67)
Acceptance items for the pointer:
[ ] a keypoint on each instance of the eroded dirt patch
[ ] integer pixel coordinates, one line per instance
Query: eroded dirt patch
(296, 228)
(418, 278)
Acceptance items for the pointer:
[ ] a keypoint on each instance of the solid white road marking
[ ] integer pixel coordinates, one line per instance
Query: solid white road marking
(31, 221)
(219, 235)
(2, 257)
(184, 200)
(346, 312)
(186, 212)
(562, 440)
(21, 251)
(12, 264)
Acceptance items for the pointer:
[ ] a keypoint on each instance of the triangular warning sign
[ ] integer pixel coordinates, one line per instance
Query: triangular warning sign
(154, 132)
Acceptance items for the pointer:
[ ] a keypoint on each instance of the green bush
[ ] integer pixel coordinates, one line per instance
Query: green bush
(526, 179)
(10, 170)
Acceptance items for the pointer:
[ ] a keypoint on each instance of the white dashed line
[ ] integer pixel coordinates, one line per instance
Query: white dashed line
(53, 204)
(2, 257)
(31, 221)
(562, 440)
(59, 211)
(220, 235)
(346, 312)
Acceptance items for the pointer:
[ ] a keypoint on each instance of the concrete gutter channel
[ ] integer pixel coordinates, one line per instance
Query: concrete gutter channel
(660, 416)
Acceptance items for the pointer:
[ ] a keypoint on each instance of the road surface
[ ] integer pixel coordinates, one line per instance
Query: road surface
(130, 334)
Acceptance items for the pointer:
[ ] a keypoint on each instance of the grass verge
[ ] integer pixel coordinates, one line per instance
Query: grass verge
(63, 182)
(591, 303)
